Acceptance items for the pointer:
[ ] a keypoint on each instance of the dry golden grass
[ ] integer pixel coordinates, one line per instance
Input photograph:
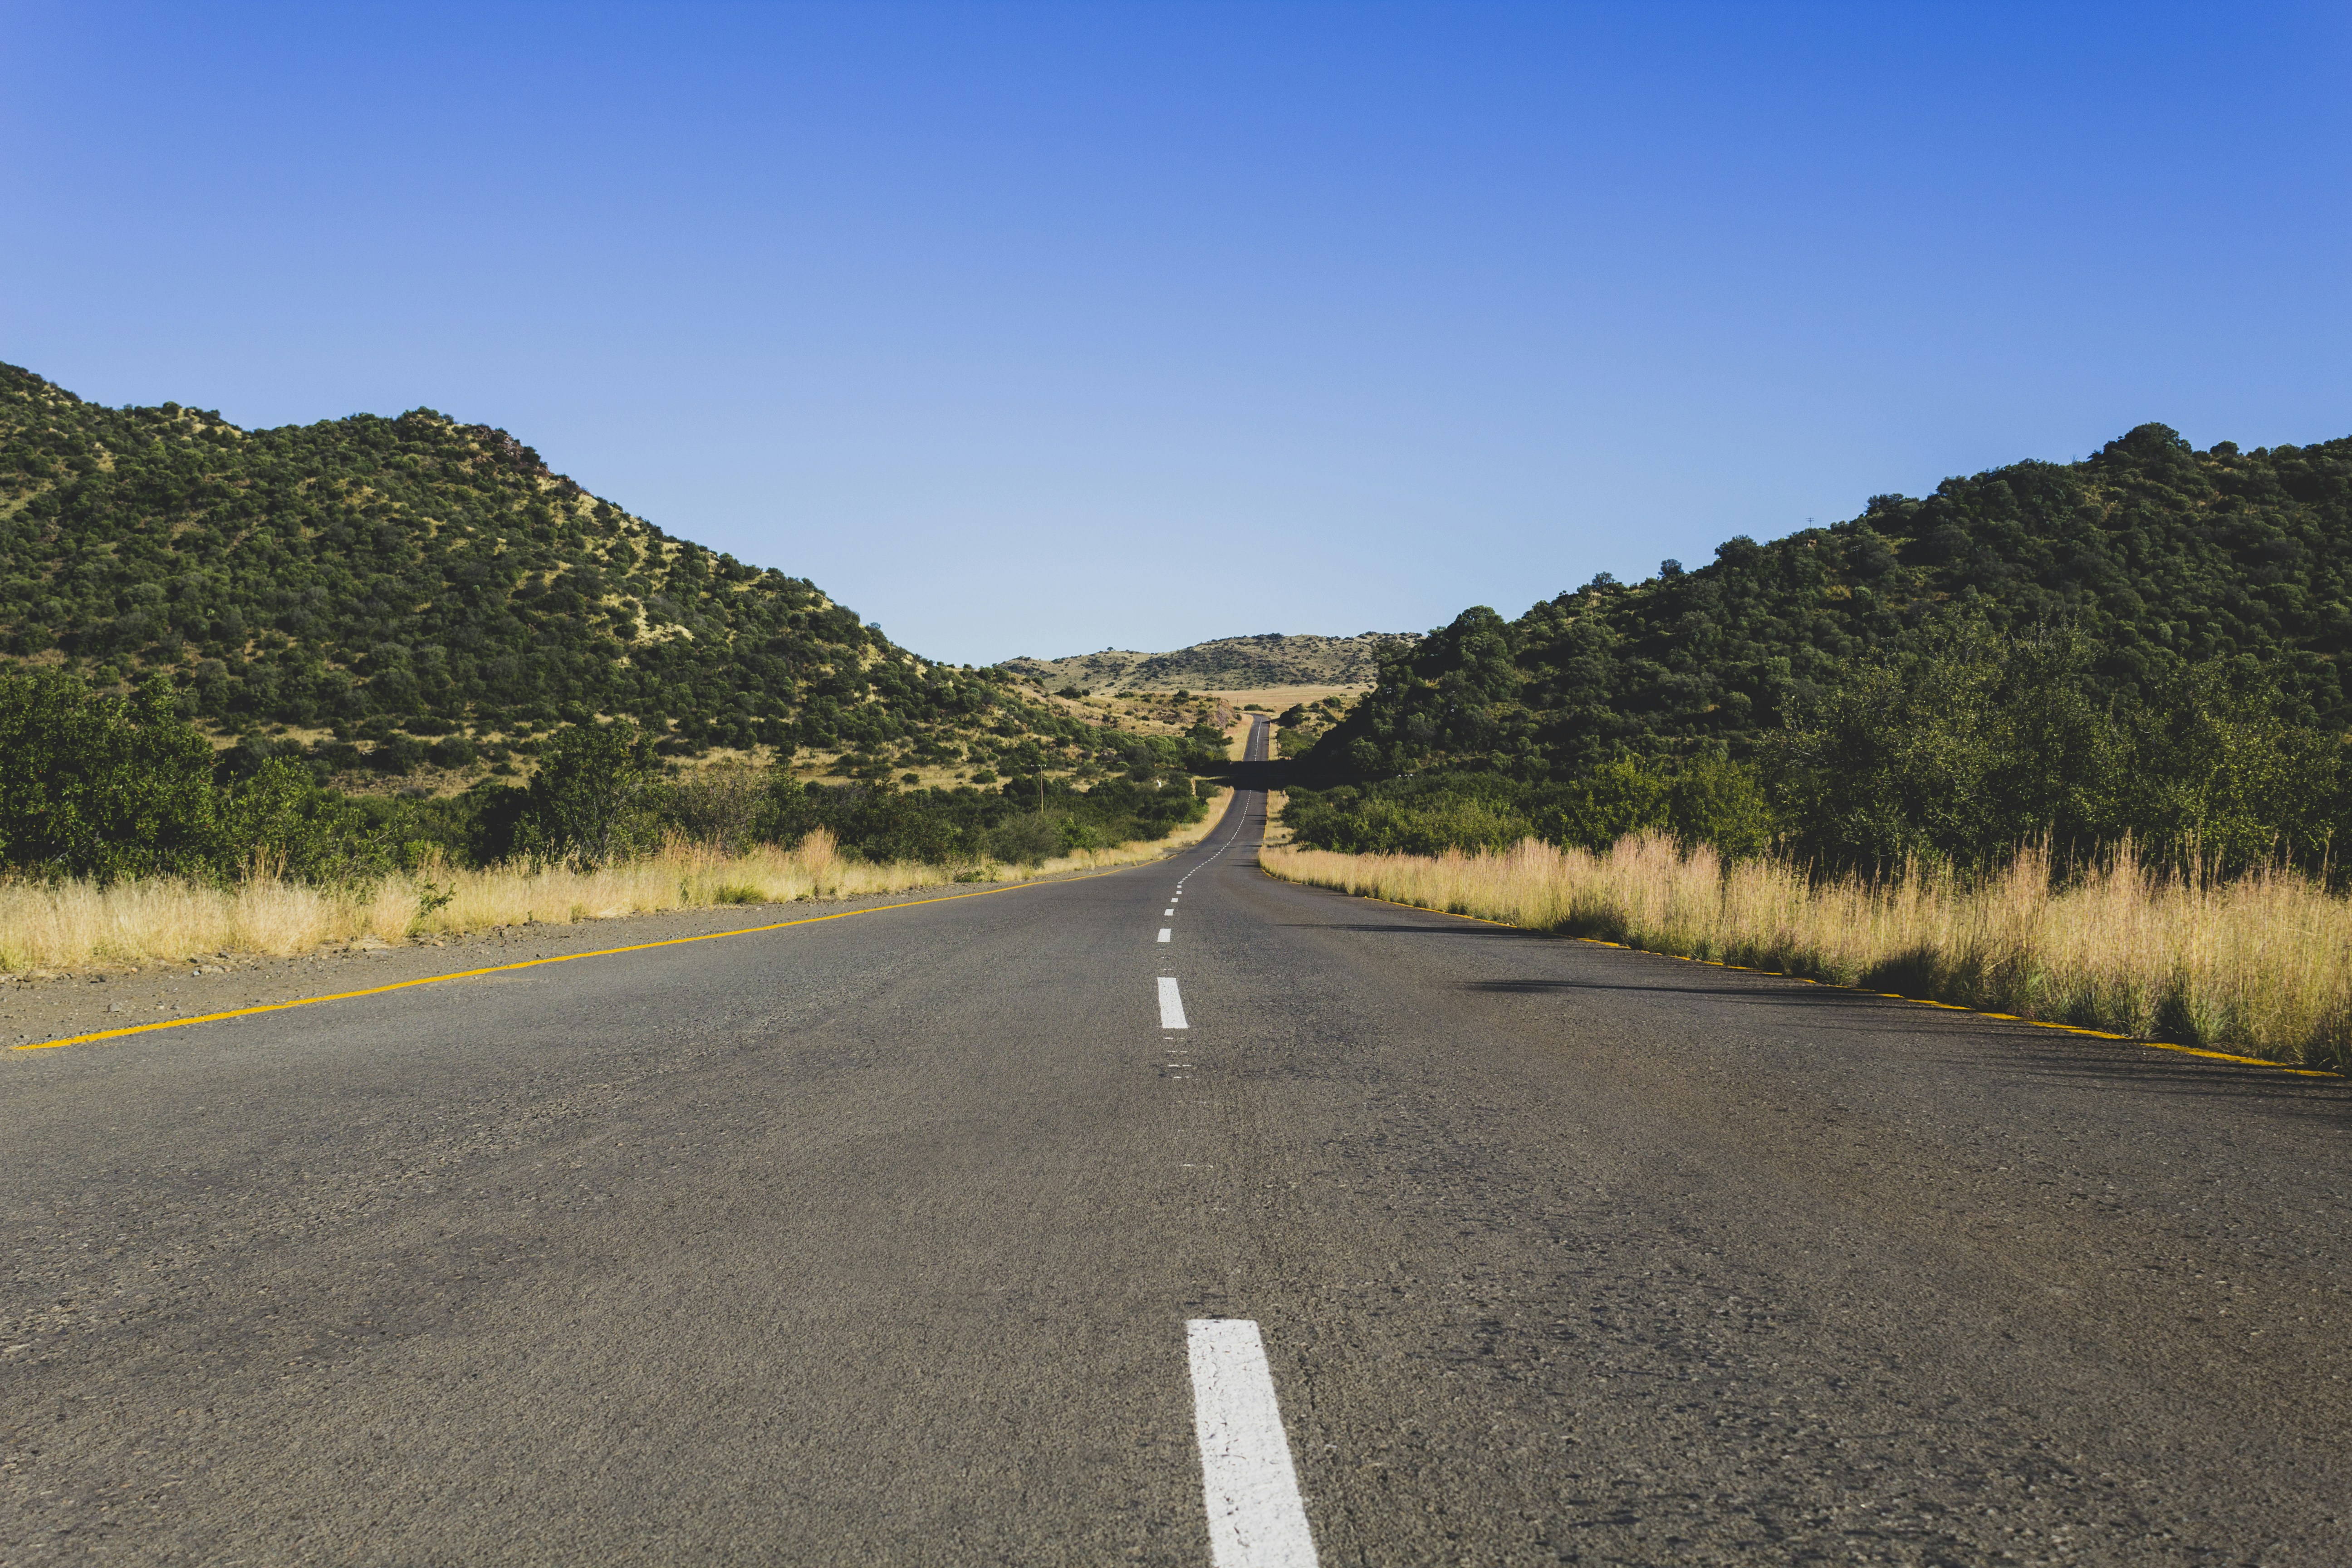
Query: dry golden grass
(78, 925)
(73, 925)
(2260, 965)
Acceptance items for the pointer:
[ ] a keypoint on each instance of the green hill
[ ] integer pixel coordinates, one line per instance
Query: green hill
(2156, 554)
(2147, 644)
(416, 576)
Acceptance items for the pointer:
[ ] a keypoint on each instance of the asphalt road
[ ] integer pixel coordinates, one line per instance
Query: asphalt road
(874, 1241)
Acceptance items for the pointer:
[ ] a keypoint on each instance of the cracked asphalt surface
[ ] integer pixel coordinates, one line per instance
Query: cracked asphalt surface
(872, 1241)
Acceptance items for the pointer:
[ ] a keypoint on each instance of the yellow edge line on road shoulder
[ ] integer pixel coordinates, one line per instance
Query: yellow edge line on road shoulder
(1890, 996)
(558, 958)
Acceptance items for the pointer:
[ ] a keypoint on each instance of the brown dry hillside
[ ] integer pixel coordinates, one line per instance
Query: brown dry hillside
(1224, 664)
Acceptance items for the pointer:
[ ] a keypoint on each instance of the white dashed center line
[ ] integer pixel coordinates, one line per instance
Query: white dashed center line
(1255, 1516)
(1165, 914)
(1163, 933)
(1171, 1005)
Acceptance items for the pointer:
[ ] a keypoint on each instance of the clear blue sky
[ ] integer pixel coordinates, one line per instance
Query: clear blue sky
(1038, 329)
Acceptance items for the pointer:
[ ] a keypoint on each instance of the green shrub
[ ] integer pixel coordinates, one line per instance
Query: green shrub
(593, 799)
(1026, 840)
(720, 806)
(104, 786)
(1961, 752)
(283, 822)
(1702, 799)
(115, 787)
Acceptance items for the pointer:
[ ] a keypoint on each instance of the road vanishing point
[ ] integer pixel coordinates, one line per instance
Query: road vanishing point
(1172, 1215)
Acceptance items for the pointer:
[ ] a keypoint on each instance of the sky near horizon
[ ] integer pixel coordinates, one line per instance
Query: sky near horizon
(1039, 328)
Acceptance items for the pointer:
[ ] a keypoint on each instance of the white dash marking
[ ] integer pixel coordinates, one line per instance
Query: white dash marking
(1164, 914)
(1171, 1005)
(1163, 933)
(1255, 1516)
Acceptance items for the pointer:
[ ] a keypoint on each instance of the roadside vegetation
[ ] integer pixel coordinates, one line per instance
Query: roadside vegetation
(2253, 964)
(126, 836)
(75, 923)
(1970, 820)
(1952, 754)
(2067, 741)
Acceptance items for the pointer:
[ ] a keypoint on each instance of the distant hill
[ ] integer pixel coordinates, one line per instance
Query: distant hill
(2155, 553)
(417, 573)
(1226, 664)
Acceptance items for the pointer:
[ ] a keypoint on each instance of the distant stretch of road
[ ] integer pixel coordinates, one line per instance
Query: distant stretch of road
(1175, 1215)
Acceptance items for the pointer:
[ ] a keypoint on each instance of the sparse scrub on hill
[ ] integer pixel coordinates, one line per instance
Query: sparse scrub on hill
(1299, 727)
(2260, 964)
(1224, 664)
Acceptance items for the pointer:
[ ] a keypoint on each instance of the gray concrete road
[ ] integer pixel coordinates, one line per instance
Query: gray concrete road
(874, 1242)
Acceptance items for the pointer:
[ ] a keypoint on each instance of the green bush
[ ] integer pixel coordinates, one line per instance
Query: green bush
(1028, 839)
(284, 822)
(116, 786)
(721, 806)
(1203, 750)
(594, 798)
(886, 823)
(104, 786)
(1703, 799)
(1961, 752)
(1700, 800)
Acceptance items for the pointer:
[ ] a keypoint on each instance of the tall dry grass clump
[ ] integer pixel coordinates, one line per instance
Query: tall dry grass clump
(72, 924)
(2261, 965)
(76, 925)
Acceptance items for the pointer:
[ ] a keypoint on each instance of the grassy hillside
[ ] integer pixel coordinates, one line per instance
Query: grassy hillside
(391, 579)
(1224, 664)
